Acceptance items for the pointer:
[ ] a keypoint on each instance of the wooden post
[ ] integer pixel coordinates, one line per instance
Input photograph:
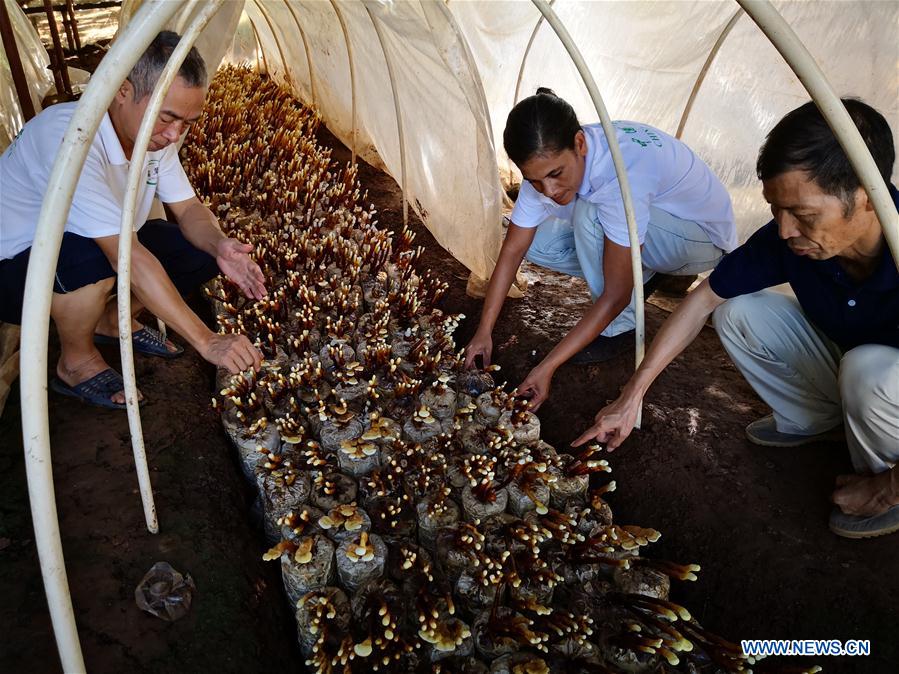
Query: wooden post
(67, 26)
(15, 64)
(70, 7)
(57, 58)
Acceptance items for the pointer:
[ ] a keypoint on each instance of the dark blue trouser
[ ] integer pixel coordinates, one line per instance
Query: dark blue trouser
(81, 263)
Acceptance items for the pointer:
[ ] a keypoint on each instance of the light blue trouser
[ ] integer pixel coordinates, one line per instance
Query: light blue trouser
(574, 247)
(809, 383)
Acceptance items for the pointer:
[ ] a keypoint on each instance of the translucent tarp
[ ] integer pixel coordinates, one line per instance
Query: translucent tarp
(452, 181)
(215, 39)
(34, 62)
(456, 73)
(38, 76)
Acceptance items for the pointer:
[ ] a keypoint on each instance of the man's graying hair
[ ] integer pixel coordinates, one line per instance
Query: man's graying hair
(149, 67)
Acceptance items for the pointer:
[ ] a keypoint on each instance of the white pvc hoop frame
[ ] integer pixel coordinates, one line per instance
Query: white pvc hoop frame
(258, 51)
(150, 18)
(143, 27)
(700, 78)
(284, 64)
(135, 174)
(397, 108)
(620, 170)
(305, 48)
(352, 66)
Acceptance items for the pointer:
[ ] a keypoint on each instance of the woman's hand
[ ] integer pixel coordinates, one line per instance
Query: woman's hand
(233, 258)
(480, 345)
(612, 424)
(536, 386)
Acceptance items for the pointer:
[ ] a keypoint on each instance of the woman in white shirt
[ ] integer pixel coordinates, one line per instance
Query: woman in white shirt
(569, 217)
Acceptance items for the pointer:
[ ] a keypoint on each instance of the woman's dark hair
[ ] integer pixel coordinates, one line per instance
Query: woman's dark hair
(149, 66)
(540, 124)
(802, 140)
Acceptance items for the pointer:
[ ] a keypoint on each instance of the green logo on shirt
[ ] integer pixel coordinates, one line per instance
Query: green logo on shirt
(152, 171)
(643, 137)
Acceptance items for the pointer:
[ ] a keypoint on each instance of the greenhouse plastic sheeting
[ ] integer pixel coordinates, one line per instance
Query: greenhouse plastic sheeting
(645, 57)
(35, 62)
(452, 181)
(456, 76)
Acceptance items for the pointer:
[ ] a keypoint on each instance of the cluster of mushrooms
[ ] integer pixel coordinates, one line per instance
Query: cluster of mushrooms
(420, 522)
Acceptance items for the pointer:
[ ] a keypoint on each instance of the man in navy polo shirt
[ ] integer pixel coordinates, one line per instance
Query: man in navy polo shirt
(826, 361)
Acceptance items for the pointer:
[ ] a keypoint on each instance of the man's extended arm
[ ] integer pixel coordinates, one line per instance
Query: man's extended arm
(198, 224)
(152, 286)
(614, 423)
(201, 228)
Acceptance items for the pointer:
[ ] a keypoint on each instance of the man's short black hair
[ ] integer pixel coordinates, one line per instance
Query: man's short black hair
(149, 67)
(802, 140)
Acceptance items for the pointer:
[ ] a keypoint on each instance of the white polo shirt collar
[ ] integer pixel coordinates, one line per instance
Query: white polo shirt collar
(111, 145)
(586, 186)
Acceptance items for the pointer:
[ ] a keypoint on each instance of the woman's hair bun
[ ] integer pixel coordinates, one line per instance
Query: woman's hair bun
(541, 124)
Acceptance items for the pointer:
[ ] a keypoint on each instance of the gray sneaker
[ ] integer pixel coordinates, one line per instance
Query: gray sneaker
(764, 432)
(853, 526)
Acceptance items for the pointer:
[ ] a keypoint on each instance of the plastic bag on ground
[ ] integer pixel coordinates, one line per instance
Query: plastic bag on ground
(164, 592)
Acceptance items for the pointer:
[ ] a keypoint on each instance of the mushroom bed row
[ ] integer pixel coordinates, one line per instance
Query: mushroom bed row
(420, 522)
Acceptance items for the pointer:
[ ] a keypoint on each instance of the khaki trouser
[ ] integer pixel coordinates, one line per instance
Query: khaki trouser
(808, 382)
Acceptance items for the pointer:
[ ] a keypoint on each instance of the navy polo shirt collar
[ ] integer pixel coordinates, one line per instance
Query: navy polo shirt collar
(885, 275)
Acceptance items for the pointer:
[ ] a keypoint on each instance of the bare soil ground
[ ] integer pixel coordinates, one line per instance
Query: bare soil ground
(754, 518)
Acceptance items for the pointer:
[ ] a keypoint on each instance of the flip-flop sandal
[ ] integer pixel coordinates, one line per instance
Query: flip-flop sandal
(854, 526)
(97, 391)
(147, 341)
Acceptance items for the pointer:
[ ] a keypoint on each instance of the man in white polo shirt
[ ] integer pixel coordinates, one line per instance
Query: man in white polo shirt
(168, 258)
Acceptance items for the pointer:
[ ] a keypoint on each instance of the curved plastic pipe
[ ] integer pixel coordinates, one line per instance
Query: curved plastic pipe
(524, 59)
(700, 78)
(137, 35)
(470, 62)
(258, 50)
(801, 62)
(349, 55)
(271, 28)
(396, 107)
(135, 175)
(306, 49)
(620, 170)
